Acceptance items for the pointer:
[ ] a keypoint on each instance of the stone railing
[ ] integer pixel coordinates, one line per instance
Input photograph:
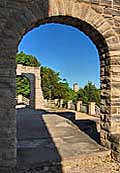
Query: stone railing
(84, 108)
(22, 100)
(91, 108)
(94, 109)
(54, 103)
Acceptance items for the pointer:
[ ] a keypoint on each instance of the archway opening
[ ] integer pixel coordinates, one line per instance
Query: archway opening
(23, 91)
(99, 43)
(70, 49)
(102, 49)
(71, 53)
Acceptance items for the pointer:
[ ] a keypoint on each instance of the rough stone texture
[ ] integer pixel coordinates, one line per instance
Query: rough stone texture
(98, 19)
(33, 74)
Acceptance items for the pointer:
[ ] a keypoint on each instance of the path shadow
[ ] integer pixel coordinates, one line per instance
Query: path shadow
(66, 114)
(90, 128)
(36, 150)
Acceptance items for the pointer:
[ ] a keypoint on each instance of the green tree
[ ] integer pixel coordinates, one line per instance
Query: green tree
(22, 83)
(27, 60)
(89, 93)
(49, 82)
(65, 92)
(53, 87)
(23, 86)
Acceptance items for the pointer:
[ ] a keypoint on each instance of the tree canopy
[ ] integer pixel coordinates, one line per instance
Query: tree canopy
(22, 86)
(52, 85)
(89, 93)
(22, 83)
(27, 60)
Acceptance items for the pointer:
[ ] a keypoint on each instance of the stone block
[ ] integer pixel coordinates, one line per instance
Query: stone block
(115, 155)
(104, 134)
(114, 110)
(106, 143)
(115, 146)
(104, 27)
(106, 126)
(111, 11)
(114, 53)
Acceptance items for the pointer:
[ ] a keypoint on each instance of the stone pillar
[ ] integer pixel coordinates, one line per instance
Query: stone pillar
(56, 102)
(110, 117)
(79, 104)
(19, 99)
(39, 100)
(106, 102)
(7, 111)
(69, 104)
(115, 98)
(91, 110)
(46, 102)
(32, 90)
(61, 103)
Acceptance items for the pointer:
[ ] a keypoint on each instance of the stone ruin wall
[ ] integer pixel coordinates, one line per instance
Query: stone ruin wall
(33, 74)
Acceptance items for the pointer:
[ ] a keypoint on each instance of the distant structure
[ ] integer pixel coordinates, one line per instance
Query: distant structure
(75, 87)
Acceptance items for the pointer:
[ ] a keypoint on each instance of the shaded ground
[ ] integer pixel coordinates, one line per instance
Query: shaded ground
(89, 124)
(49, 142)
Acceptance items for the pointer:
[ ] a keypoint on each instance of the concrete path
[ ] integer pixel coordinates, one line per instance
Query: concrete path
(47, 138)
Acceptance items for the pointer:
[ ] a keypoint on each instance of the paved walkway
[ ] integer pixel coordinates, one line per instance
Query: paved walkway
(48, 142)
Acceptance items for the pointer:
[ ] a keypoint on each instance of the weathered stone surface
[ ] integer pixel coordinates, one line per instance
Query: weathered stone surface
(99, 19)
(33, 74)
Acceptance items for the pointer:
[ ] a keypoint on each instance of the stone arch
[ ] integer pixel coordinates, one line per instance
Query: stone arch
(97, 19)
(33, 74)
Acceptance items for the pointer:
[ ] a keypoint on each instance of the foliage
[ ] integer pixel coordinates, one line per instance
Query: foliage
(65, 92)
(49, 81)
(22, 86)
(27, 60)
(22, 83)
(53, 87)
(89, 93)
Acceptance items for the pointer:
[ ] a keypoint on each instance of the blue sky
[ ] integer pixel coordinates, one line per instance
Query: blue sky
(66, 50)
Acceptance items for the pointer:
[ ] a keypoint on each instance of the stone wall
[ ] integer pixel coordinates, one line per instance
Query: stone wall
(98, 19)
